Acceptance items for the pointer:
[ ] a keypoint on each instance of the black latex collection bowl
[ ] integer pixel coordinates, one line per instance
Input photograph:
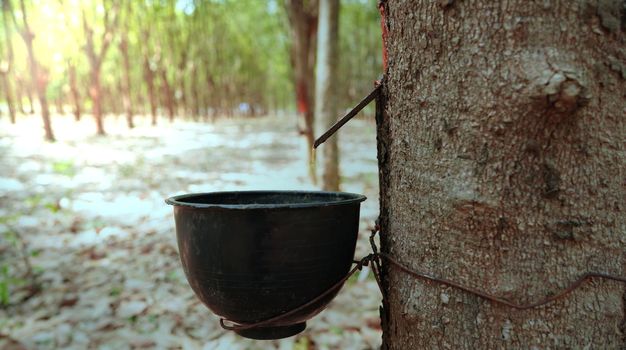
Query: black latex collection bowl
(253, 255)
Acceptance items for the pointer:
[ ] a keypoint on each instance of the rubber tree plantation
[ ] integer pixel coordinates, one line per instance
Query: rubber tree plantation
(493, 162)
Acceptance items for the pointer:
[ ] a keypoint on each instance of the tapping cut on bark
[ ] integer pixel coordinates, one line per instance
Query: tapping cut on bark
(303, 16)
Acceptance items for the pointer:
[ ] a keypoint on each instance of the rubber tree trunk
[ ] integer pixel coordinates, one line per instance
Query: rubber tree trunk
(326, 94)
(149, 78)
(181, 91)
(168, 95)
(95, 92)
(303, 15)
(19, 92)
(7, 66)
(74, 91)
(210, 96)
(8, 95)
(59, 105)
(40, 82)
(501, 151)
(148, 75)
(126, 87)
(96, 54)
(29, 97)
(195, 94)
(39, 77)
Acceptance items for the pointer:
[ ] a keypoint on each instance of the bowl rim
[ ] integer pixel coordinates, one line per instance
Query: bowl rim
(179, 200)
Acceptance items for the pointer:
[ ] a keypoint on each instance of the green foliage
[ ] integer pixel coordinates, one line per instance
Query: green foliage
(9, 244)
(172, 276)
(214, 54)
(64, 167)
(336, 330)
(115, 291)
(8, 281)
(36, 201)
(303, 343)
(360, 47)
(5, 280)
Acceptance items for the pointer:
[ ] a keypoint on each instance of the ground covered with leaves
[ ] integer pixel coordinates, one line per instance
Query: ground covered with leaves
(88, 256)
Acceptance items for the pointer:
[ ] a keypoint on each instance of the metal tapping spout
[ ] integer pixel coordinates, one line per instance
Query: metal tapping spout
(354, 111)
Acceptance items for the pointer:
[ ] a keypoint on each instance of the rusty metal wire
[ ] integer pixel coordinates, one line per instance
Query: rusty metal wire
(376, 257)
(425, 276)
(276, 319)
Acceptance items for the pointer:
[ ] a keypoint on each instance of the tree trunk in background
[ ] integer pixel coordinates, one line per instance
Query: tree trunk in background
(109, 100)
(149, 78)
(326, 94)
(71, 68)
(31, 100)
(126, 88)
(195, 94)
(39, 76)
(28, 89)
(6, 86)
(501, 151)
(302, 16)
(181, 92)
(183, 104)
(39, 81)
(96, 57)
(6, 66)
(19, 91)
(210, 96)
(59, 105)
(95, 92)
(167, 95)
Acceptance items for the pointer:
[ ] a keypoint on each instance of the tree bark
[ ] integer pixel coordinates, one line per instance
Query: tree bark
(209, 94)
(126, 87)
(303, 23)
(181, 91)
(501, 149)
(40, 81)
(8, 94)
(31, 100)
(96, 57)
(6, 66)
(95, 92)
(195, 94)
(19, 92)
(149, 78)
(71, 68)
(326, 91)
(167, 95)
(39, 76)
(59, 105)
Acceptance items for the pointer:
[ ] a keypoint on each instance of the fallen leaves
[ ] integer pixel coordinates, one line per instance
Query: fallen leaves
(131, 308)
(106, 254)
(68, 301)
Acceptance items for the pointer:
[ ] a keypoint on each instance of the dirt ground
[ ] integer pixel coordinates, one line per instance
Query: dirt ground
(84, 218)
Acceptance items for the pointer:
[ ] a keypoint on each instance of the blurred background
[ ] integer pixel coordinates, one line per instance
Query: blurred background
(108, 107)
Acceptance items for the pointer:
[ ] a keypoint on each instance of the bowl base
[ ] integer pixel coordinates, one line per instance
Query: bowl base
(268, 333)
